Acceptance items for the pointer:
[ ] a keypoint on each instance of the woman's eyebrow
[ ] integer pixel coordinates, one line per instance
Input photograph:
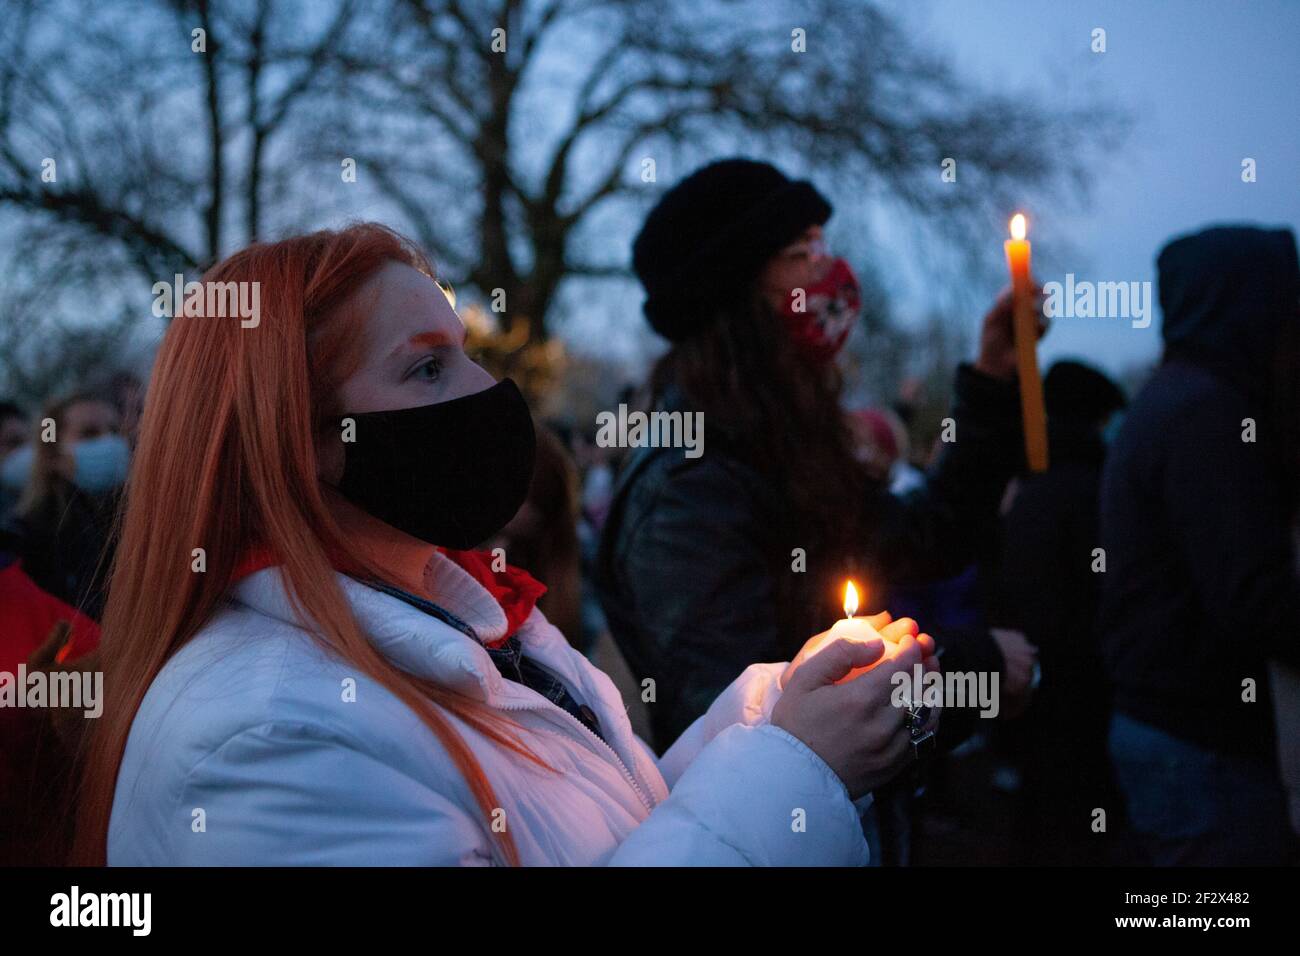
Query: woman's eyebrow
(429, 340)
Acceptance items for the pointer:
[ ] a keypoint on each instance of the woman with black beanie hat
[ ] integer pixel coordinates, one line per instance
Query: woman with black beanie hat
(711, 563)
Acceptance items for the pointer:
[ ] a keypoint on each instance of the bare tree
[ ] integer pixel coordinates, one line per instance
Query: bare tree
(131, 169)
(137, 142)
(513, 138)
(520, 119)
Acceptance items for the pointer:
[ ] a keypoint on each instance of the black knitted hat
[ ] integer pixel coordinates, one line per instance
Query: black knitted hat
(706, 240)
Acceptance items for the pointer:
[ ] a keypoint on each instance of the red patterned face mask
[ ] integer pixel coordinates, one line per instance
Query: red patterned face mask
(830, 308)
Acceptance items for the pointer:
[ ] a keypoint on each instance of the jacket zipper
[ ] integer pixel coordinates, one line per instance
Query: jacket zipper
(448, 618)
(627, 774)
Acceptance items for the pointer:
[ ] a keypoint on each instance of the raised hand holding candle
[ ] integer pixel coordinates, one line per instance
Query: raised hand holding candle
(1025, 327)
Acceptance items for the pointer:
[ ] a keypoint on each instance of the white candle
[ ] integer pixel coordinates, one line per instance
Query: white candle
(850, 628)
(854, 628)
(857, 629)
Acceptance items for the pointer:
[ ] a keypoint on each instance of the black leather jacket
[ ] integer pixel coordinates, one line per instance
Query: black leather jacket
(689, 565)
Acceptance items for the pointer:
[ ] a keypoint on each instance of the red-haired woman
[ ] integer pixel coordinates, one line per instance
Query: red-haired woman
(301, 668)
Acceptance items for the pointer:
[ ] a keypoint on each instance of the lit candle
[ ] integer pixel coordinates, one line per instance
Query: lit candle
(854, 628)
(1025, 326)
(850, 628)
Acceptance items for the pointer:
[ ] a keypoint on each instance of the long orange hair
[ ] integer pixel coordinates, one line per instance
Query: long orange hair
(227, 462)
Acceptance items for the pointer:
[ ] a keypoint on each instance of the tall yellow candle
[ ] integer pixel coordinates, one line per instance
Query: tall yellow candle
(1025, 328)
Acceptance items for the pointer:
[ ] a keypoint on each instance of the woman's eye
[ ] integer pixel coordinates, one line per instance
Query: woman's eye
(429, 370)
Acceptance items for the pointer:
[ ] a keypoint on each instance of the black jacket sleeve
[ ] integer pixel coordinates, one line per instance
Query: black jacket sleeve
(936, 530)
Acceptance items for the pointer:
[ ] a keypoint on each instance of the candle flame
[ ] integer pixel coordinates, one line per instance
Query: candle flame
(1018, 226)
(850, 599)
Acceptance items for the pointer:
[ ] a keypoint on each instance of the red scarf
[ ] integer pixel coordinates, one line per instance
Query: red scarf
(514, 589)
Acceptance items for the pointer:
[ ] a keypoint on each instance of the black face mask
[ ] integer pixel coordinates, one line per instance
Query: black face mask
(452, 474)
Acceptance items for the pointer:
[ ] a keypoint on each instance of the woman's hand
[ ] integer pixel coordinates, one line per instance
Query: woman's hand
(893, 631)
(851, 722)
(997, 352)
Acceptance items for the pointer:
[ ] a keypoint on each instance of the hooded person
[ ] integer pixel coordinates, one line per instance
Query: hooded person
(1200, 591)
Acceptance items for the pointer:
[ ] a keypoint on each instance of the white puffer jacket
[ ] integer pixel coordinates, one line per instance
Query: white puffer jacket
(249, 750)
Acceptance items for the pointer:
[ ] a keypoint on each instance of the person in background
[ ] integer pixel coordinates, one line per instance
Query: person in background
(1285, 681)
(1200, 591)
(1043, 584)
(712, 563)
(879, 442)
(38, 630)
(597, 481)
(14, 433)
(64, 518)
(542, 537)
(593, 507)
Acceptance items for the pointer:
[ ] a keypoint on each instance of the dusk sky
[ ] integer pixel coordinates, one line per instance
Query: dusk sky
(1205, 83)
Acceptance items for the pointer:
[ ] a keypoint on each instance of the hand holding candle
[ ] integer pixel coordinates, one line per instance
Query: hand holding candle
(852, 723)
(893, 635)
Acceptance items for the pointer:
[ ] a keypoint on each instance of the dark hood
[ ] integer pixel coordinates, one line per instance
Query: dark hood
(1224, 293)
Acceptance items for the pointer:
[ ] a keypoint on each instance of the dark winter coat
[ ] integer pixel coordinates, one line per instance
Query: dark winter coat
(1200, 589)
(1047, 584)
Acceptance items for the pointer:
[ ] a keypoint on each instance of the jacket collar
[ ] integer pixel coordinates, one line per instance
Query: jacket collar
(413, 640)
(423, 645)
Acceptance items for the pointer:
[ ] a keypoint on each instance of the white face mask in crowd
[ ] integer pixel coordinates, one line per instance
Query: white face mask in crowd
(17, 468)
(101, 463)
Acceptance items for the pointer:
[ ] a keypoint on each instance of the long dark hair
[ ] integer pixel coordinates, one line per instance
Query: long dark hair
(780, 414)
